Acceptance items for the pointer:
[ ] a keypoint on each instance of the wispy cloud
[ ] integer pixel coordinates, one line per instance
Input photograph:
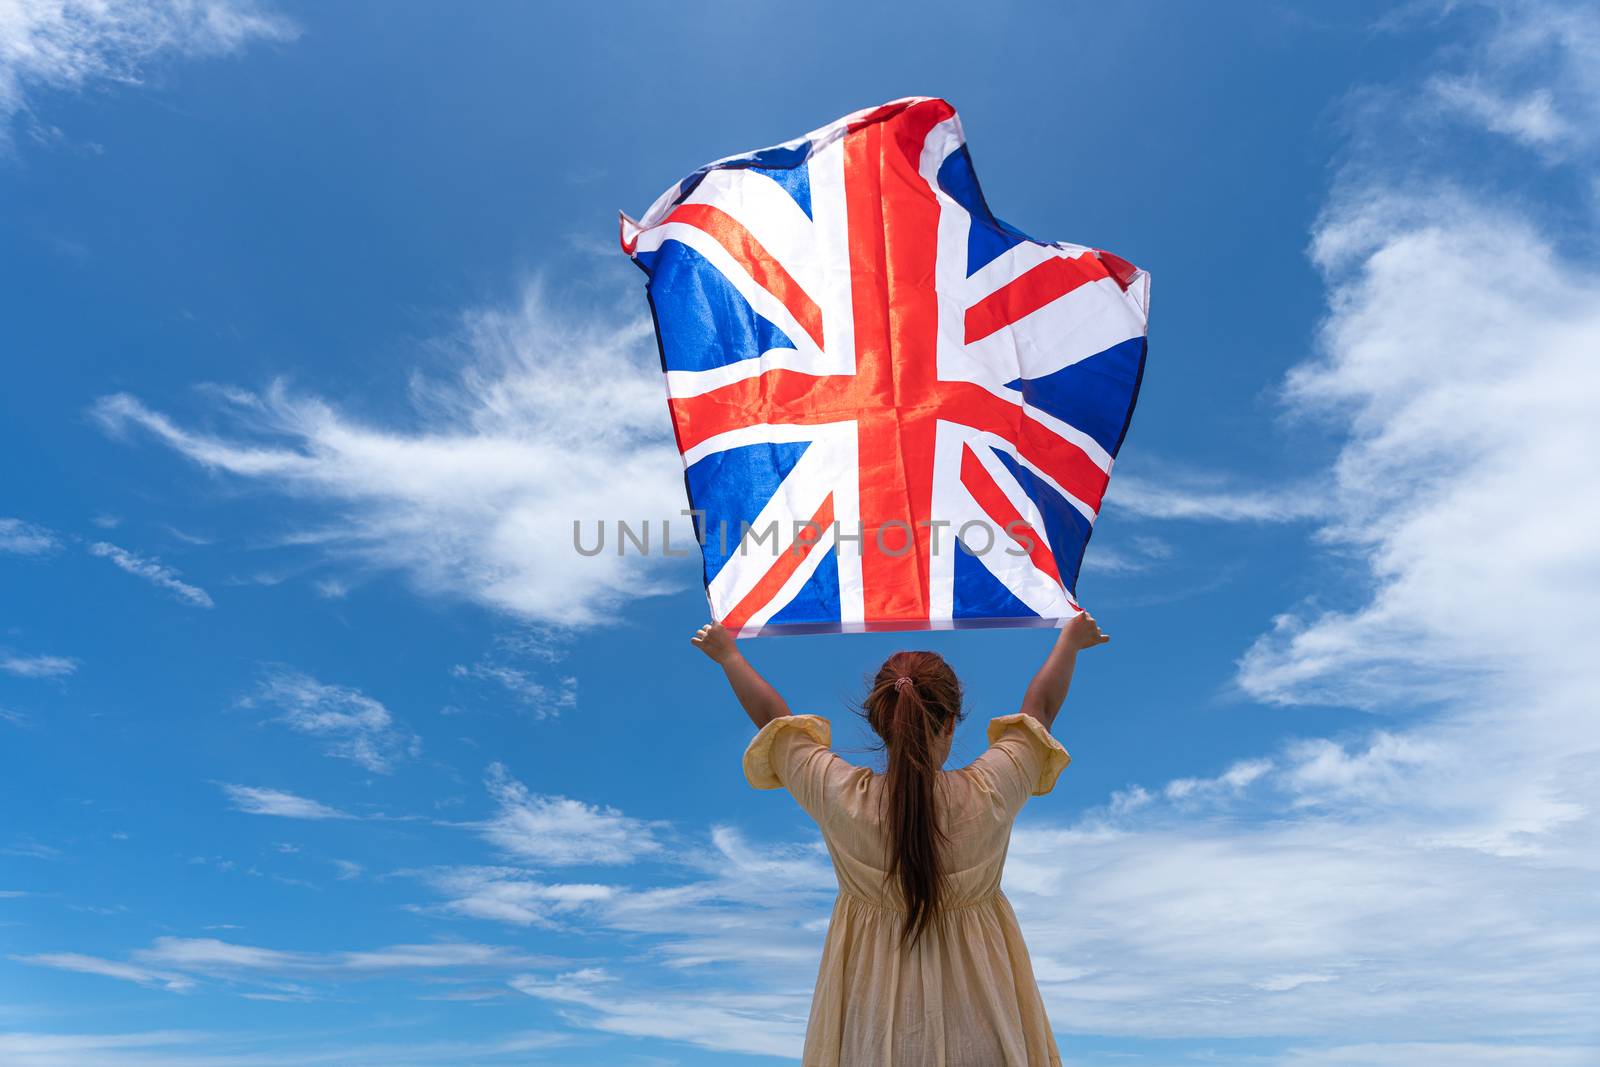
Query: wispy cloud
(541, 699)
(25, 539)
(253, 800)
(477, 494)
(64, 45)
(1531, 119)
(186, 537)
(181, 964)
(557, 831)
(331, 588)
(729, 954)
(1192, 497)
(27, 846)
(770, 1024)
(37, 666)
(206, 955)
(71, 961)
(266, 1047)
(153, 571)
(1443, 1054)
(352, 725)
(1138, 554)
(513, 895)
(1529, 76)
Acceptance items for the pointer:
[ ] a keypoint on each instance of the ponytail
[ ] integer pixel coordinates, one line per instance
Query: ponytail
(915, 698)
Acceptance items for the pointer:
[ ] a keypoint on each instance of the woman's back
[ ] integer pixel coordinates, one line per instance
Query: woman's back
(963, 994)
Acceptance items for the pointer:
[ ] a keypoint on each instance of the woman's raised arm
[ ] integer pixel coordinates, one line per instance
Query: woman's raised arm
(1049, 687)
(760, 701)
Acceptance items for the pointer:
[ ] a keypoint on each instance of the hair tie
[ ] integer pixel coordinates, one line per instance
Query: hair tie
(902, 683)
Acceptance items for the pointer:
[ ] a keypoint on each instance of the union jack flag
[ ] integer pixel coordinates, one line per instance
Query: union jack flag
(895, 410)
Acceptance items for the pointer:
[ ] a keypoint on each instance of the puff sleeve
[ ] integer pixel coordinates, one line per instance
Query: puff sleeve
(1023, 759)
(793, 752)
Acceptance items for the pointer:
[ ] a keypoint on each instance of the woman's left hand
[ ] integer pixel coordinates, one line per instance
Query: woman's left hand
(1083, 632)
(715, 642)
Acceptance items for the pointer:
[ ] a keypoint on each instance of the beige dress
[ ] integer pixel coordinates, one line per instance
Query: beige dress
(965, 995)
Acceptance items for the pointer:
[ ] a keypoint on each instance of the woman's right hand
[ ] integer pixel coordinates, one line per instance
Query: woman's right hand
(1049, 687)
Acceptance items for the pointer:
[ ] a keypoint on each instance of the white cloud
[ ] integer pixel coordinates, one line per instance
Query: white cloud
(153, 571)
(253, 800)
(1466, 480)
(1219, 922)
(1381, 770)
(557, 831)
(25, 539)
(72, 44)
(1467, 485)
(1530, 76)
(352, 725)
(37, 666)
(553, 419)
(1230, 782)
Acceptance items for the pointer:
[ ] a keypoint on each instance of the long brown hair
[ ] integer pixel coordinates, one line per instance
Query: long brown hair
(909, 716)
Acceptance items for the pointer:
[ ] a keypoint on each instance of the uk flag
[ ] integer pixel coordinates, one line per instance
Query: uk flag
(895, 410)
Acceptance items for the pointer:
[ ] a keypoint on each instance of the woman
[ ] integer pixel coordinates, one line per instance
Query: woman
(924, 963)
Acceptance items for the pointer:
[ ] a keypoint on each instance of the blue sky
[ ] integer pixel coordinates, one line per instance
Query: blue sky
(318, 744)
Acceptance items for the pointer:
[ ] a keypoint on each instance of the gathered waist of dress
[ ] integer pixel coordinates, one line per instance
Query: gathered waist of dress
(988, 898)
